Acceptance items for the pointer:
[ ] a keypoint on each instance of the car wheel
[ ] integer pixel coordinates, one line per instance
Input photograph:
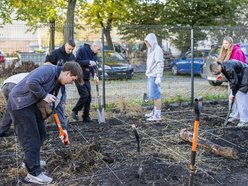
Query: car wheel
(214, 83)
(174, 70)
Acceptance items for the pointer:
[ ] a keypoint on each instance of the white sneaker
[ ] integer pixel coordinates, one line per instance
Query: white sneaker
(40, 179)
(242, 124)
(149, 114)
(231, 120)
(42, 164)
(154, 118)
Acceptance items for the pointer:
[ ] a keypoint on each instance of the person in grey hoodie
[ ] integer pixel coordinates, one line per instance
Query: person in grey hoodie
(154, 72)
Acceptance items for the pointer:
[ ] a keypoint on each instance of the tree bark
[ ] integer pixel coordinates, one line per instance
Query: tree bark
(69, 25)
(52, 36)
(227, 152)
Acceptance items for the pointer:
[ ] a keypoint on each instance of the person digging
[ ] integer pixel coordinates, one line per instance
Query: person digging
(237, 75)
(38, 85)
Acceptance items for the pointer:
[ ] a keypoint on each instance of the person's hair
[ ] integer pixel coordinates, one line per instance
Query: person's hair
(50, 58)
(97, 43)
(229, 39)
(213, 67)
(75, 69)
(226, 53)
(71, 42)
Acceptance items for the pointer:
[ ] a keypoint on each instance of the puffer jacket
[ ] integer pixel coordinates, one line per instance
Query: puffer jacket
(237, 54)
(155, 59)
(237, 75)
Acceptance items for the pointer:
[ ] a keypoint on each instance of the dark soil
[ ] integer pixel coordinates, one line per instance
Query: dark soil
(107, 154)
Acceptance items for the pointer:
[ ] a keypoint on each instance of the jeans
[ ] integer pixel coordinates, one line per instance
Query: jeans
(31, 133)
(6, 121)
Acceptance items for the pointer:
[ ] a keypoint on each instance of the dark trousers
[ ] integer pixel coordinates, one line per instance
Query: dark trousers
(31, 133)
(84, 99)
(6, 121)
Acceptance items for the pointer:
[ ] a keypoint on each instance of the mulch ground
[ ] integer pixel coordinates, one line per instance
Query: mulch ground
(107, 154)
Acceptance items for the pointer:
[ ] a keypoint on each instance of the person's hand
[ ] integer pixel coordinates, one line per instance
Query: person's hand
(64, 137)
(158, 80)
(232, 98)
(96, 78)
(92, 63)
(50, 98)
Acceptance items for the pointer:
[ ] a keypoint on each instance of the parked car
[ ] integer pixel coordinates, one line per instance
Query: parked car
(212, 57)
(2, 57)
(182, 65)
(116, 66)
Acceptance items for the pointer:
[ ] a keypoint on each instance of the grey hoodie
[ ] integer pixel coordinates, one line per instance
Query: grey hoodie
(155, 58)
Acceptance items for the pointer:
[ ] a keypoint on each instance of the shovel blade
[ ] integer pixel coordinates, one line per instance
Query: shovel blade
(101, 116)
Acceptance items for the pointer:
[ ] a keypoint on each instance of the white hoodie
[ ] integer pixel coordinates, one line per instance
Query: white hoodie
(155, 58)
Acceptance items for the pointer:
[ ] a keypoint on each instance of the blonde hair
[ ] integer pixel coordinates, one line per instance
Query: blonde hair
(225, 54)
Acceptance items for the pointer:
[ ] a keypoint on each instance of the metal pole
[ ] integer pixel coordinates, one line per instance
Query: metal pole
(103, 72)
(192, 66)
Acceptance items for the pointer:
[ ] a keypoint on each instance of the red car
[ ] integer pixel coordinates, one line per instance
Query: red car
(2, 57)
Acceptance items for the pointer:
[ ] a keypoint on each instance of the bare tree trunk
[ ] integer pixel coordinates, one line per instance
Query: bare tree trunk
(227, 152)
(52, 36)
(108, 37)
(69, 26)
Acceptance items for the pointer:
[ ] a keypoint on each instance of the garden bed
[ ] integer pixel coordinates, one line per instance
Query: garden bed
(107, 154)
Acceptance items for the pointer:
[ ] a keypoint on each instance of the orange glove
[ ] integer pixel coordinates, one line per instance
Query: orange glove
(219, 77)
(64, 137)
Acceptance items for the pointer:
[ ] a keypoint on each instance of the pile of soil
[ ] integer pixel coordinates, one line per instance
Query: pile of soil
(107, 154)
(26, 66)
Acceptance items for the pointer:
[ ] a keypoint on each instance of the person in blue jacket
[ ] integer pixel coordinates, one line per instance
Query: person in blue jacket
(86, 56)
(39, 84)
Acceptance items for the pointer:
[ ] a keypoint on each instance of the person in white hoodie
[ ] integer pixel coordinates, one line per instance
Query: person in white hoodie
(154, 72)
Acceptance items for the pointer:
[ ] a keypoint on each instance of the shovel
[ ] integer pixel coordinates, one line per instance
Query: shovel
(100, 109)
(140, 169)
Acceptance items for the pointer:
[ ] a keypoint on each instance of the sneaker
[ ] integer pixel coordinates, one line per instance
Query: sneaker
(87, 120)
(231, 120)
(40, 179)
(154, 118)
(242, 124)
(148, 115)
(42, 164)
(74, 116)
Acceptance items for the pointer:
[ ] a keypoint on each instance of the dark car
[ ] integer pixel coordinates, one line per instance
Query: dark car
(182, 65)
(116, 66)
(212, 57)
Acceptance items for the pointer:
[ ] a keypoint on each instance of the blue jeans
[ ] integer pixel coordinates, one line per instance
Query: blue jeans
(31, 133)
(153, 89)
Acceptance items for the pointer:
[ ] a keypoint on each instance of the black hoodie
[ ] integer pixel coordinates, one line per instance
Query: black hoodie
(59, 56)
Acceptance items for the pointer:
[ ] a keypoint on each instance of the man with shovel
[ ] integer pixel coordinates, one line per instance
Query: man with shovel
(86, 56)
(38, 85)
(237, 75)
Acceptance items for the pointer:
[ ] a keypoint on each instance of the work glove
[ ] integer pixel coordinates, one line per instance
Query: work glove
(64, 137)
(231, 98)
(219, 77)
(50, 98)
(92, 63)
(96, 78)
(158, 81)
(45, 109)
